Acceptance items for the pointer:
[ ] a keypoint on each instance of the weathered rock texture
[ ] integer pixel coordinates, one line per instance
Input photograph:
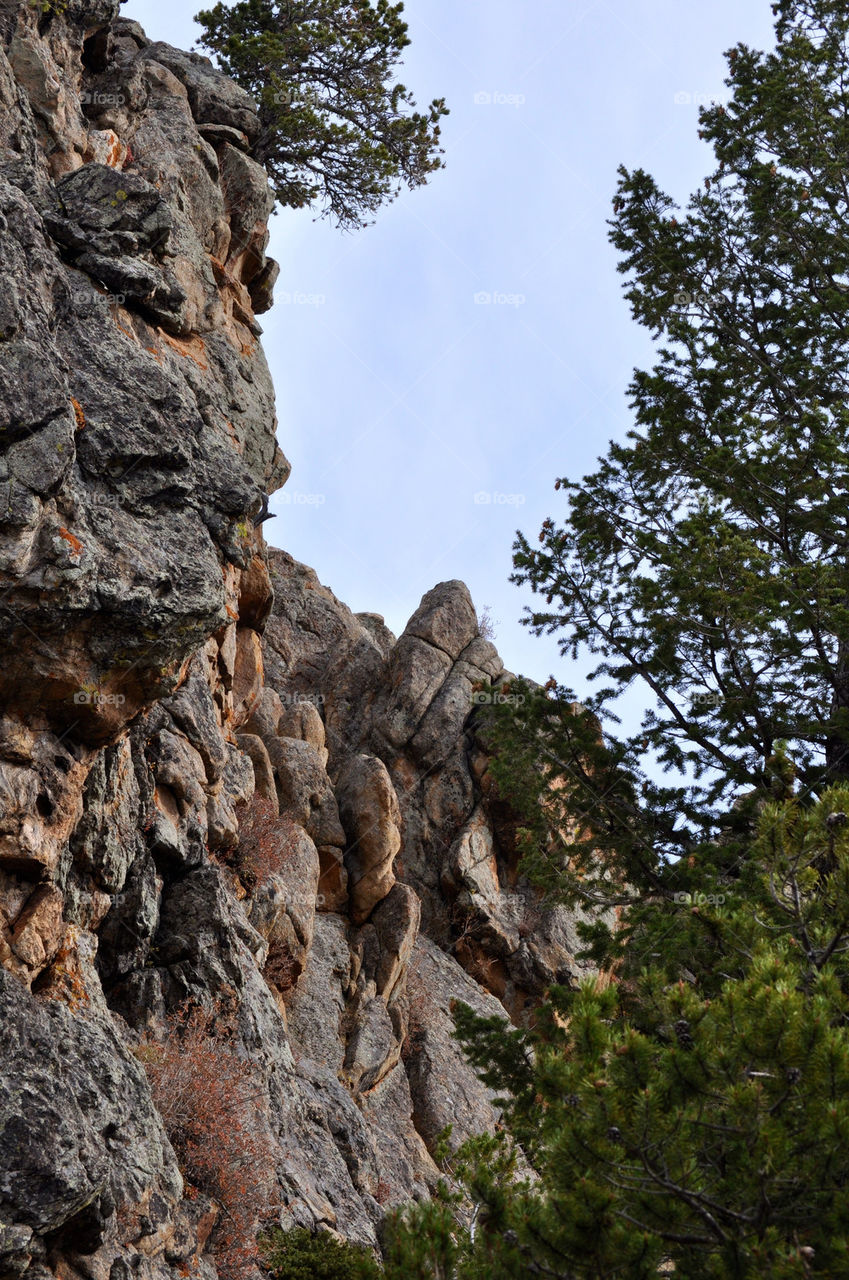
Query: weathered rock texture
(219, 788)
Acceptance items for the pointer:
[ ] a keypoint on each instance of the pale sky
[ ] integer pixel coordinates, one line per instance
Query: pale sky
(423, 426)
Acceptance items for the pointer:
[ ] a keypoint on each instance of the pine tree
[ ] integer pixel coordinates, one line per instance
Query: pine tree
(707, 558)
(299, 1254)
(686, 1112)
(338, 132)
(692, 1117)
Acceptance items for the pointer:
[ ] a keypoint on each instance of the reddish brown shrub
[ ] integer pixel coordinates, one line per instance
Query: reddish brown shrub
(383, 1192)
(531, 921)
(265, 842)
(207, 1096)
(413, 1043)
(281, 967)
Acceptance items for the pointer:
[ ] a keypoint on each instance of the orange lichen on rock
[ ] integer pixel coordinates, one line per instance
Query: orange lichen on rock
(78, 413)
(64, 980)
(75, 544)
(191, 348)
(103, 146)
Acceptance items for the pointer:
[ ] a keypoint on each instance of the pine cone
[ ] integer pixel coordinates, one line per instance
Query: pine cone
(683, 1033)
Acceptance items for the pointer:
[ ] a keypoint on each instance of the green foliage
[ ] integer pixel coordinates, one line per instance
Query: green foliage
(337, 130)
(300, 1255)
(424, 1242)
(577, 796)
(705, 560)
(689, 1114)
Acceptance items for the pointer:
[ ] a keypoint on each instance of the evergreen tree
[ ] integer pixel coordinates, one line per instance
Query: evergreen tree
(685, 1113)
(299, 1254)
(425, 1242)
(337, 130)
(683, 1121)
(706, 560)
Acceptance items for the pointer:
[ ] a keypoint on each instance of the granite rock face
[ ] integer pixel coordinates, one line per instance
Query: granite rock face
(400, 719)
(220, 790)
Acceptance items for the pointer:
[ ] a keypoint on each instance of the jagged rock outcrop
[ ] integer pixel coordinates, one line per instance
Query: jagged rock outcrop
(219, 788)
(402, 714)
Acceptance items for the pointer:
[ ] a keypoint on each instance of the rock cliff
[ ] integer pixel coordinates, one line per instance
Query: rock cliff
(220, 790)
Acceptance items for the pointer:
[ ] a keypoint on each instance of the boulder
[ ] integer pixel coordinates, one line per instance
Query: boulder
(373, 1049)
(371, 817)
(396, 923)
(214, 99)
(247, 674)
(304, 790)
(316, 1010)
(266, 714)
(300, 719)
(446, 619)
(255, 749)
(78, 1130)
(283, 906)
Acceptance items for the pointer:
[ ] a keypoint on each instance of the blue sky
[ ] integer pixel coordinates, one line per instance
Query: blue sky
(423, 424)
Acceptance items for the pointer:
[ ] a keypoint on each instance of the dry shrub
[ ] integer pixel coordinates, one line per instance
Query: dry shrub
(281, 968)
(486, 626)
(532, 919)
(207, 1097)
(383, 1194)
(265, 842)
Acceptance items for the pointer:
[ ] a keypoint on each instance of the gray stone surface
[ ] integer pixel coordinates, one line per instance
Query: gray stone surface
(139, 436)
(161, 667)
(411, 704)
(79, 1135)
(444, 1091)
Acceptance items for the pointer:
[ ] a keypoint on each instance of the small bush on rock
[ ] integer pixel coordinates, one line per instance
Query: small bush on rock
(265, 842)
(282, 970)
(300, 1255)
(207, 1097)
